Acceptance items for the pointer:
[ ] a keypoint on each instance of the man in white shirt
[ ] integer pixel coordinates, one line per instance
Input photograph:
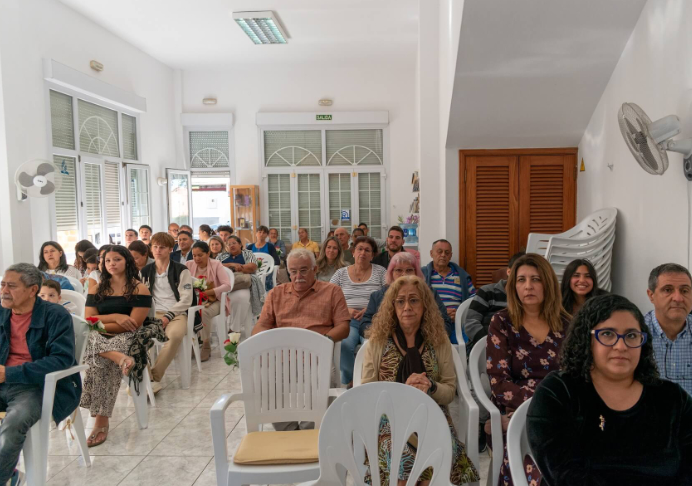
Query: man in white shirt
(170, 284)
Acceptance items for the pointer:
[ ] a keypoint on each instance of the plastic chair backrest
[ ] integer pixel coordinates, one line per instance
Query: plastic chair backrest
(354, 419)
(76, 298)
(358, 365)
(285, 376)
(231, 276)
(76, 284)
(267, 263)
(467, 429)
(518, 444)
(459, 320)
(81, 336)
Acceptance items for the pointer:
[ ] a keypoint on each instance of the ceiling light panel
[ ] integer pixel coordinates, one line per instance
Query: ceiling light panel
(261, 27)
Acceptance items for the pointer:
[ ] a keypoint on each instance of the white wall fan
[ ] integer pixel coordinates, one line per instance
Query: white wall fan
(37, 178)
(648, 141)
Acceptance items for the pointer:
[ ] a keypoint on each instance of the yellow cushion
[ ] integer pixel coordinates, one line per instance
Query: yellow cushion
(290, 447)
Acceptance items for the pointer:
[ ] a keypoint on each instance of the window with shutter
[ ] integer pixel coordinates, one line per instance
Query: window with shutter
(339, 200)
(113, 213)
(139, 196)
(292, 148)
(354, 147)
(209, 149)
(92, 203)
(62, 122)
(66, 220)
(98, 129)
(129, 137)
(279, 199)
(309, 205)
(370, 202)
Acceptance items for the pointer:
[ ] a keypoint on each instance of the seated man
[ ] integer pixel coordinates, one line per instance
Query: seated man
(279, 244)
(225, 232)
(184, 252)
(394, 245)
(307, 303)
(145, 232)
(130, 236)
(670, 323)
(261, 245)
(488, 300)
(342, 235)
(173, 230)
(170, 284)
(36, 338)
(451, 282)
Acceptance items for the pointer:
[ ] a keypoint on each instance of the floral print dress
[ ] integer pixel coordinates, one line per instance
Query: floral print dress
(516, 364)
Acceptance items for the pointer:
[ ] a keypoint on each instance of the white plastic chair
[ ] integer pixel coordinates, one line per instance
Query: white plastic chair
(218, 323)
(140, 399)
(267, 268)
(518, 444)
(354, 418)
(592, 238)
(459, 320)
(37, 441)
(76, 298)
(76, 284)
(479, 378)
(358, 365)
(285, 378)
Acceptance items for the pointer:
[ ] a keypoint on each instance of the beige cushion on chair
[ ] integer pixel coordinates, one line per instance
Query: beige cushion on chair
(290, 447)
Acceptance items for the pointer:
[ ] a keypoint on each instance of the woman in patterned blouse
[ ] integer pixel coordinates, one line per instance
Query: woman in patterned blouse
(524, 342)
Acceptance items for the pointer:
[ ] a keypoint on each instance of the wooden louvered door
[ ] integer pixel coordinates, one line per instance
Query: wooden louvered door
(492, 214)
(546, 195)
(507, 194)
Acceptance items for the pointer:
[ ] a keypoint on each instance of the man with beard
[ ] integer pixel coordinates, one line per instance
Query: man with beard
(394, 245)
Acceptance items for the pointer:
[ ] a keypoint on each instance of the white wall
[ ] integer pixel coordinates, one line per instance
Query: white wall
(654, 72)
(247, 90)
(31, 30)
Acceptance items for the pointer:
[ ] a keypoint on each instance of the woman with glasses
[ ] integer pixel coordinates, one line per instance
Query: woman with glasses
(523, 342)
(607, 418)
(357, 281)
(408, 344)
(403, 264)
(330, 259)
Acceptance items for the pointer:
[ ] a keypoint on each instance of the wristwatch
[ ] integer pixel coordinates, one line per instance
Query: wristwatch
(433, 387)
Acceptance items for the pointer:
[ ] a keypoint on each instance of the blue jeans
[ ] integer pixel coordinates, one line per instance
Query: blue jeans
(23, 406)
(348, 352)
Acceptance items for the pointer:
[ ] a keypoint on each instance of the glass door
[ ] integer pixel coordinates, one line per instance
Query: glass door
(370, 200)
(93, 202)
(179, 196)
(138, 195)
(309, 204)
(211, 203)
(114, 204)
(340, 202)
(279, 205)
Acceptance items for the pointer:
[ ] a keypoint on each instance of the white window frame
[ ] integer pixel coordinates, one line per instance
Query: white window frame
(341, 121)
(80, 86)
(209, 122)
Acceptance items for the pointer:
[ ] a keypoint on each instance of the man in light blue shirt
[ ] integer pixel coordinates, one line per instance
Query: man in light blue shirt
(670, 325)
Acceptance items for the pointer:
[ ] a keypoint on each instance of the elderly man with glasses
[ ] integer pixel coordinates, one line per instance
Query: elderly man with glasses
(670, 323)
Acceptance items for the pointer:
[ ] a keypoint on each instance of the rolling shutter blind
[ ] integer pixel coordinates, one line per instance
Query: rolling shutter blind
(309, 205)
(92, 201)
(66, 202)
(113, 218)
(61, 120)
(354, 147)
(291, 148)
(370, 202)
(98, 129)
(139, 196)
(209, 149)
(279, 200)
(129, 137)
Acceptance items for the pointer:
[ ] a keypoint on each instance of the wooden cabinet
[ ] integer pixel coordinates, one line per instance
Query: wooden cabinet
(507, 194)
(245, 212)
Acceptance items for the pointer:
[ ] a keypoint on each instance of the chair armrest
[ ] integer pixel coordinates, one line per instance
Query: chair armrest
(50, 383)
(218, 434)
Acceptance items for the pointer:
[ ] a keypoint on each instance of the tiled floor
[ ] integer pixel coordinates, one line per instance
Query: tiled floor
(176, 448)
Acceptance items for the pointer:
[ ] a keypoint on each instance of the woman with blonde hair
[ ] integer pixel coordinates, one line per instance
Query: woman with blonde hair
(408, 344)
(330, 259)
(524, 342)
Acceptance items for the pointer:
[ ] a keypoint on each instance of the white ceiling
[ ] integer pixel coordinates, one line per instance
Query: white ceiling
(530, 72)
(201, 34)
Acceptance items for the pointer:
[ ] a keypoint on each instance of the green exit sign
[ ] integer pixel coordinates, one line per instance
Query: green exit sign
(323, 117)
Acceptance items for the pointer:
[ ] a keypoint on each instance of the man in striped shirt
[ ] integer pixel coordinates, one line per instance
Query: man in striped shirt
(451, 282)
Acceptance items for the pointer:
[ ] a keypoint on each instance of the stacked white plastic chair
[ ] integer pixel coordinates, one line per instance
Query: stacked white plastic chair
(518, 444)
(284, 375)
(591, 239)
(268, 268)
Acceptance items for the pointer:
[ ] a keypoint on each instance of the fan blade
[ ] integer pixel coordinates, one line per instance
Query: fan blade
(45, 168)
(48, 188)
(25, 179)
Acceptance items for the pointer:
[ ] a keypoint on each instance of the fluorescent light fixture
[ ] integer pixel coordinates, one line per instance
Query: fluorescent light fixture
(261, 27)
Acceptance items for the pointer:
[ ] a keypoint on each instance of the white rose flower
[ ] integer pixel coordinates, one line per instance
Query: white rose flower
(234, 337)
(101, 326)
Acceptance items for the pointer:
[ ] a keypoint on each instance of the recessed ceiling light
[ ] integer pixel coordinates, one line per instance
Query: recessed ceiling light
(261, 27)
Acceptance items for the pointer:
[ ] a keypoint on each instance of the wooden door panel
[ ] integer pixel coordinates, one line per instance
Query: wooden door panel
(492, 209)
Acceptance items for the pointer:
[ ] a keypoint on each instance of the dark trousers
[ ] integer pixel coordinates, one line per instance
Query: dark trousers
(23, 406)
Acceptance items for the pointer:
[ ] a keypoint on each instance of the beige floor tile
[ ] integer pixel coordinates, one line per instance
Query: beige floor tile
(130, 442)
(159, 417)
(198, 381)
(180, 398)
(180, 471)
(104, 471)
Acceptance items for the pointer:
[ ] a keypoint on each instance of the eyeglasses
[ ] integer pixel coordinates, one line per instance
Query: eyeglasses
(303, 272)
(413, 302)
(608, 337)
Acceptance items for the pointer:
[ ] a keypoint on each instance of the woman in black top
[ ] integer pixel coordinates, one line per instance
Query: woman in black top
(122, 303)
(607, 418)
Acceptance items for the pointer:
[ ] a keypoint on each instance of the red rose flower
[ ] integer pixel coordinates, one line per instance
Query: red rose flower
(92, 320)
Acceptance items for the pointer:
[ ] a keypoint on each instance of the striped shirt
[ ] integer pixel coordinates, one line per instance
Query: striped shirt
(449, 287)
(358, 293)
(674, 358)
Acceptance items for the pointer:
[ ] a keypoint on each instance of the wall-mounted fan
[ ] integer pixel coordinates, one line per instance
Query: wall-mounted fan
(648, 141)
(36, 178)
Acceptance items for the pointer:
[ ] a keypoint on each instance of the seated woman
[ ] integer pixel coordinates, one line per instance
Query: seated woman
(607, 418)
(218, 282)
(95, 276)
(403, 264)
(141, 253)
(217, 249)
(205, 232)
(524, 341)
(408, 344)
(90, 253)
(79, 249)
(52, 260)
(329, 260)
(357, 281)
(122, 303)
(579, 284)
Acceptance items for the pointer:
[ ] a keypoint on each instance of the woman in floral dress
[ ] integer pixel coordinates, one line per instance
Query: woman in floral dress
(523, 343)
(408, 344)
